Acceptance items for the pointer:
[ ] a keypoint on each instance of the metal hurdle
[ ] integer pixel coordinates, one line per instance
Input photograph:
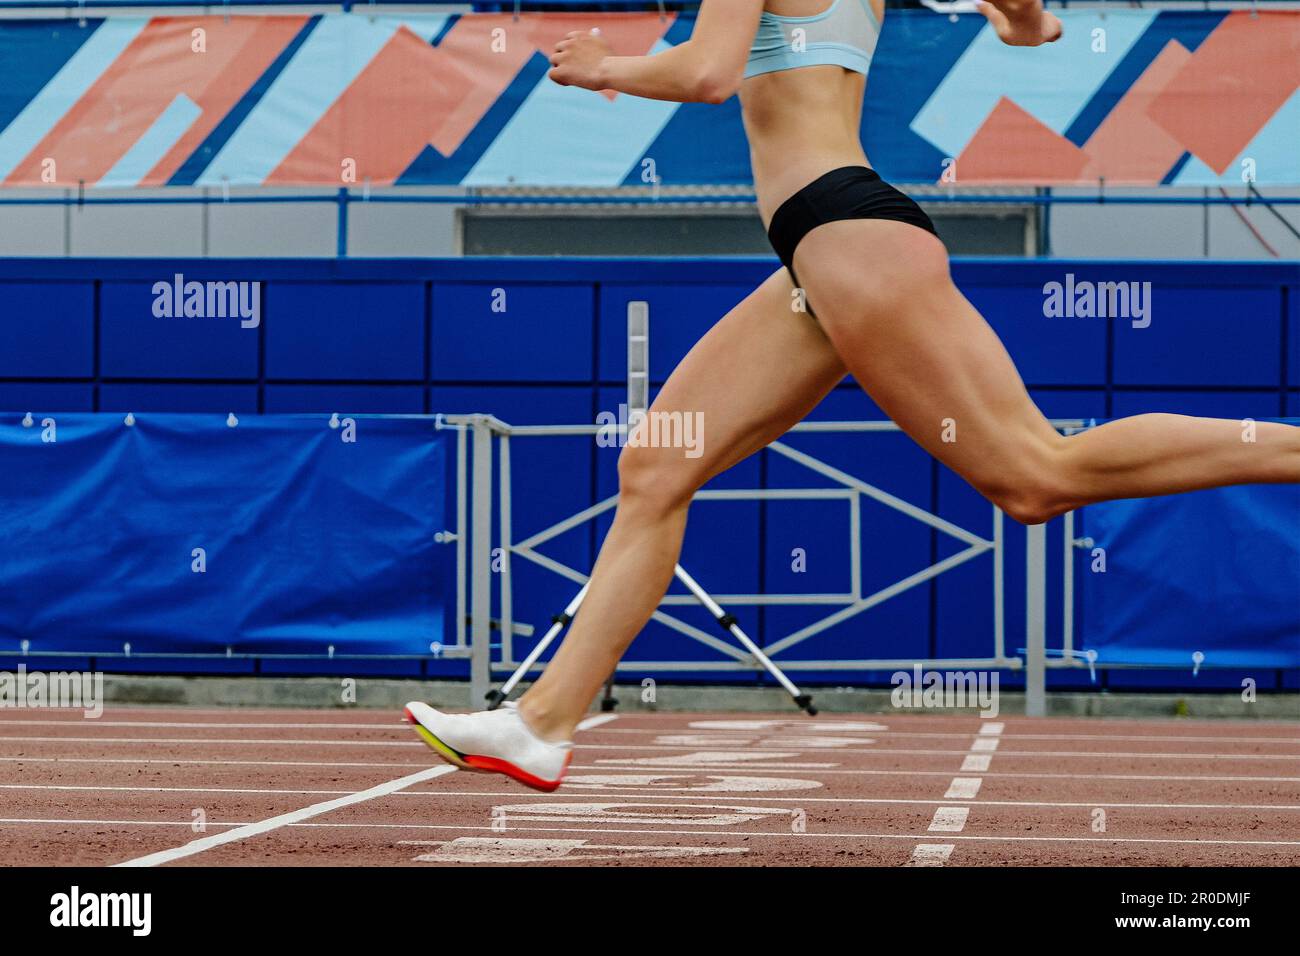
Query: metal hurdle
(484, 471)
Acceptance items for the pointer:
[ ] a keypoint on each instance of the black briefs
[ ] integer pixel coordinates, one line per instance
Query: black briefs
(850, 192)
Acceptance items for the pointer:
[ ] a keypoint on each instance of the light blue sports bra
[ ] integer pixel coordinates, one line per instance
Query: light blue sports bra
(844, 34)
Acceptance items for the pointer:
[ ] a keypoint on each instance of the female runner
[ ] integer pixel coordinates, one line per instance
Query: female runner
(879, 305)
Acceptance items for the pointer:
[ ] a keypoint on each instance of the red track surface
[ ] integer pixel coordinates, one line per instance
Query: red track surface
(644, 789)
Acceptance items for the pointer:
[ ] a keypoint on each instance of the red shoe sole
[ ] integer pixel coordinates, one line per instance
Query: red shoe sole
(486, 764)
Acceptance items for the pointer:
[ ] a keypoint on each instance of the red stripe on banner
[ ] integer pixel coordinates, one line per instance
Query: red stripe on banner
(485, 52)
(1128, 147)
(220, 90)
(629, 34)
(161, 63)
(412, 94)
(396, 104)
(1013, 147)
(1232, 86)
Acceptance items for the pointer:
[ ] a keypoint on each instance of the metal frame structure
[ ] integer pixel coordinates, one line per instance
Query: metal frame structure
(478, 476)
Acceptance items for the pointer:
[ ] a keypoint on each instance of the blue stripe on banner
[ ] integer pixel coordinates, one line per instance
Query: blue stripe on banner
(912, 59)
(680, 31)
(150, 148)
(33, 52)
(198, 161)
(565, 135)
(707, 142)
(446, 28)
(1177, 169)
(65, 88)
(431, 167)
(1186, 28)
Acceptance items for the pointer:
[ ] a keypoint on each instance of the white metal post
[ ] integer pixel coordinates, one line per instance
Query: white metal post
(1036, 620)
(507, 583)
(481, 571)
(638, 361)
(1067, 588)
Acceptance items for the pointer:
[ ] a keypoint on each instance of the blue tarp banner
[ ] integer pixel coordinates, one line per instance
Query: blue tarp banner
(1215, 572)
(311, 535)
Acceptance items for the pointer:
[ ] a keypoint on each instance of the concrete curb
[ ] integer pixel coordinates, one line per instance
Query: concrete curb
(392, 694)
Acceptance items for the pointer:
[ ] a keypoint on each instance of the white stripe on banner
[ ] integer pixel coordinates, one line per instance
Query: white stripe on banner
(1052, 83)
(150, 148)
(67, 87)
(325, 65)
(563, 136)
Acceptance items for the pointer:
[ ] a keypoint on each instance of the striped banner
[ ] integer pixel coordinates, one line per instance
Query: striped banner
(1129, 97)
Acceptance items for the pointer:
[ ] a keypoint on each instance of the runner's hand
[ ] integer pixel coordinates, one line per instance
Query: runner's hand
(1033, 28)
(579, 60)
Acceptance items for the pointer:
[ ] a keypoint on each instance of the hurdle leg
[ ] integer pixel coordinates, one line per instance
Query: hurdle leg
(496, 698)
(728, 624)
(608, 702)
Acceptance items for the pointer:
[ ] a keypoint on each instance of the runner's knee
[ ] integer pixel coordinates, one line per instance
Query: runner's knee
(659, 479)
(1042, 485)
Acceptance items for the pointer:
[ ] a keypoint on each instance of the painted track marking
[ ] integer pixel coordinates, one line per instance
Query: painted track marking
(285, 819)
(986, 838)
(963, 788)
(930, 854)
(389, 762)
(1025, 774)
(625, 794)
(761, 752)
(949, 819)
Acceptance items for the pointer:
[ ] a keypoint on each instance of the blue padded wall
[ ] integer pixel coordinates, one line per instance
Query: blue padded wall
(538, 341)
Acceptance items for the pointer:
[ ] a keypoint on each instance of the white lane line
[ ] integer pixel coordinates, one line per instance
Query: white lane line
(604, 767)
(930, 854)
(976, 762)
(596, 721)
(949, 819)
(103, 789)
(219, 725)
(963, 788)
(883, 752)
(285, 819)
(14, 821)
(948, 735)
(904, 752)
(781, 834)
(984, 744)
(633, 793)
(385, 764)
(992, 730)
(624, 793)
(767, 769)
(238, 741)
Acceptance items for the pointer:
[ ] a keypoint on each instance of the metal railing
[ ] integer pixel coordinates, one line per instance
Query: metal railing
(489, 469)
